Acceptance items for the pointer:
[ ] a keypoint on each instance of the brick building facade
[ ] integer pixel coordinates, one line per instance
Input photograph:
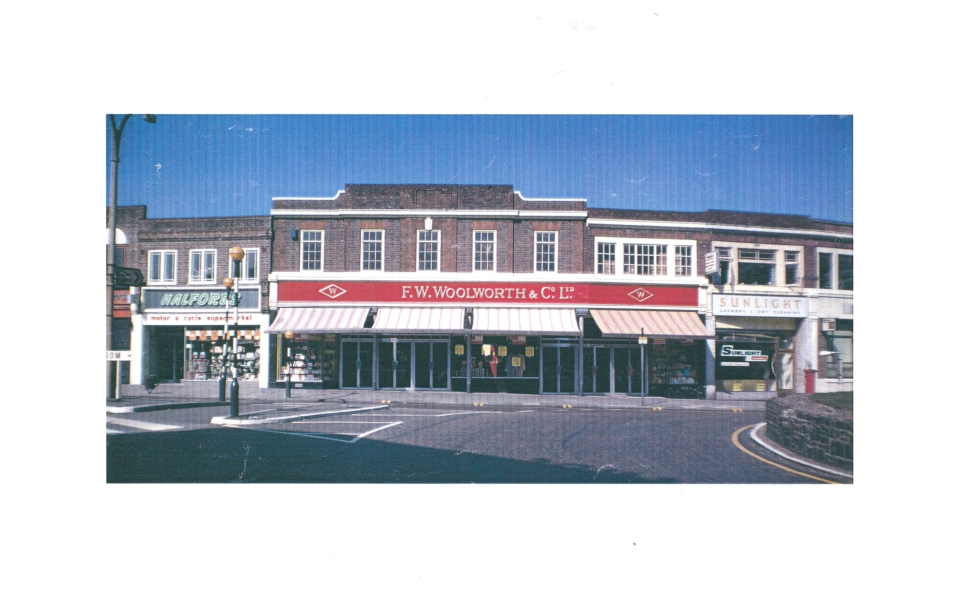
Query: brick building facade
(476, 288)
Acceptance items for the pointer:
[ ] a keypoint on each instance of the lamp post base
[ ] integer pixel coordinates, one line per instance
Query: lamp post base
(234, 399)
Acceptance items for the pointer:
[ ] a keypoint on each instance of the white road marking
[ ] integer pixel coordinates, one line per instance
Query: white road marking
(323, 437)
(113, 432)
(141, 424)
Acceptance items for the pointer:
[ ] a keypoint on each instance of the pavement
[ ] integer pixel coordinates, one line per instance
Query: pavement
(339, 398)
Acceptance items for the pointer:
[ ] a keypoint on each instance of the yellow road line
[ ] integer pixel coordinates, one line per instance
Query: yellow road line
(736, 443)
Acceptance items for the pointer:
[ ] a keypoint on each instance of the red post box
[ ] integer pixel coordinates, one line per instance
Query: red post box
(810, 380)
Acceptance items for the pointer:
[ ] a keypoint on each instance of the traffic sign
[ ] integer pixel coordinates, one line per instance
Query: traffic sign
(124, 277)
(642, 339)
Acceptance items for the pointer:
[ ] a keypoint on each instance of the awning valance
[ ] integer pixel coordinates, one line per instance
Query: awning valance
(535, 321)
(653, 323)
(429, 320)
(319, 320)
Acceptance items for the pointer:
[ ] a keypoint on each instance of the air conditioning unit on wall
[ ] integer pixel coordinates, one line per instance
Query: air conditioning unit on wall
(828, 324)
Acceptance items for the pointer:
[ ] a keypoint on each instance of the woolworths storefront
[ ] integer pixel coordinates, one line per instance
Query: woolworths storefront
(180, 334)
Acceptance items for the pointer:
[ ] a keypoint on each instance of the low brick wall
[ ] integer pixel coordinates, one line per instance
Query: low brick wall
(821, 434)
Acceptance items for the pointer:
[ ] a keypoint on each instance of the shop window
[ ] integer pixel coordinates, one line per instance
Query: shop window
(791, 261)
(546, 251)
(371, 250)
(162, 266)
(683, 258)
(845, 272)
(484, 250)
(839, 355)
(826, 270)
(311, 250)
(203, 266)
(428, 250)
(606, 258)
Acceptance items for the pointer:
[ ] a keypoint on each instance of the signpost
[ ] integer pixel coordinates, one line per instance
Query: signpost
(124, 277)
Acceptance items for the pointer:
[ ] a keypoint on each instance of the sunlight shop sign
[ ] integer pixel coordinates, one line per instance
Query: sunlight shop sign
(196, 299)
(739, 305)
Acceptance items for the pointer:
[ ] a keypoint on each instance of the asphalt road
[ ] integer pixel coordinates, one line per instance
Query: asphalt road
(435, 445)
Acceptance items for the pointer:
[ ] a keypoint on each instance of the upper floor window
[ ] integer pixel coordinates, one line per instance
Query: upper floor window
(750, 265)
(428, 250)
(836, 270)
(683, 259)
(371, 252)
(757, 267)
(724, 260)
(546, 251)
(606, 258)
(645, 259)
(484, 250)
(250, 265)
(311, 250)
(162, 266)
(791, 261)
(203, 266)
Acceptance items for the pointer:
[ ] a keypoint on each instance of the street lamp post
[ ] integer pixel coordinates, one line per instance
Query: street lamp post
(289, 336)
(236, 255)
(115, 132)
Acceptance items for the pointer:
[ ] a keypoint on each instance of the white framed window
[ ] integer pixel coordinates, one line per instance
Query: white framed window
(203, 266)
(791, 267)
(428, 250)
(250, 265)
(645, 259)
(683, 260)
(311, 250)
(484, 250)
(725, 260)
(756, 264)
(670, 258)
(545, 251)
(835, 269)
(371, 250)
(606, 258)
(162, 266)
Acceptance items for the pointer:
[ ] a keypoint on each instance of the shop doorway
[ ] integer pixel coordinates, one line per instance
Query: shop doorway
(611, 369)
(559, 368)
(394, 364)
(432, 368)
(357, 364)
(170, 348)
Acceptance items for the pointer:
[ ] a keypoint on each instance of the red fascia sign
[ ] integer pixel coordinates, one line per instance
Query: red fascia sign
(513, 294)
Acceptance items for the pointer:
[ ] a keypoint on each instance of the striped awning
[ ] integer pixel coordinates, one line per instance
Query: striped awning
(557, 321)
(319, 320)
(652, 323)
(407, 320)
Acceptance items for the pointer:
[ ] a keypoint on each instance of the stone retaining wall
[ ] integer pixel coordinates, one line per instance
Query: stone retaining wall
(821, 434)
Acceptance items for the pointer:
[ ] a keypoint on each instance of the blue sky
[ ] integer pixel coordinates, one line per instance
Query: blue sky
(229, 165)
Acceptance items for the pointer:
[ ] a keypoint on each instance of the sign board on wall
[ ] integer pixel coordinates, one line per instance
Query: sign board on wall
(515, 294)
(742, 305)
(195, 319)
(744, 360)
(196, 299)
(710, 263)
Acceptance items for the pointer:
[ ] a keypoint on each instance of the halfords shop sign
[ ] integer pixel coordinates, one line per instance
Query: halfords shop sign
(389, 292)
(196, 299)
(760, 306)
